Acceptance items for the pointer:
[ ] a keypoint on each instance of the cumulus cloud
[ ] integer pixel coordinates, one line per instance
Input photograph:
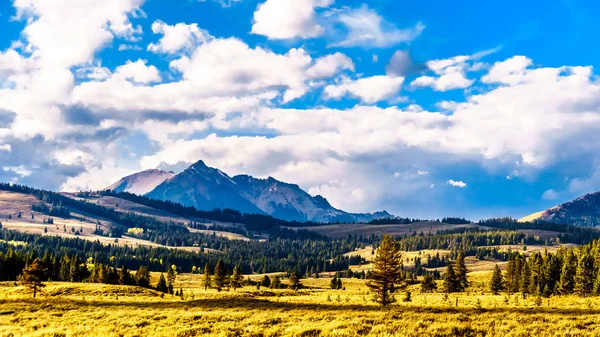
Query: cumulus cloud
(177, 37)
(288, 19)
(364, 27)
(451, 73)
(138, 72)
(456, 183)
(368, 89)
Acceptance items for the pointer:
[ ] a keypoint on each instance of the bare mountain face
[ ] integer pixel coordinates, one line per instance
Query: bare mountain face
(205, 188)
(583, 211)
(208, 188)
(142, 182)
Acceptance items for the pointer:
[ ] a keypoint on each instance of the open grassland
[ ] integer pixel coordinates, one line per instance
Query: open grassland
(67, 309)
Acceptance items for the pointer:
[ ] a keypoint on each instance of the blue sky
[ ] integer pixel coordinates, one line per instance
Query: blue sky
(422, 108)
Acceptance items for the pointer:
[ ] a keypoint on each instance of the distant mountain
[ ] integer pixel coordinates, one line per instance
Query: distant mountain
(208, 188)
(142, 182)
(205, 188)
(286, 201)
(583, 211)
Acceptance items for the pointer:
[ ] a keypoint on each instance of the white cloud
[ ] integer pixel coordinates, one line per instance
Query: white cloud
(368, 89)
(91, 25)
(177, 37)
(550, 195)
(124, 47)
(450, 74)
(288, 19)
(6, 148)
(455, 183)
(138, 72)
(510, 71)
(366, 28)
(454, 80)
(330, 65)
(95, 72)
(21, 170)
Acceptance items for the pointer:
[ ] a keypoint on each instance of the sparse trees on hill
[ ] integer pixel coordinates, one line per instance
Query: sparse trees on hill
(33, 276)
(387, 272)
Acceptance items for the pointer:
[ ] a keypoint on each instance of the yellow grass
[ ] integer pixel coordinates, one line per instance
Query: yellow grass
(68, 309)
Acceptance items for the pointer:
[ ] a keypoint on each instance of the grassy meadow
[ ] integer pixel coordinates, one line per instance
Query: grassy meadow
(75, 309)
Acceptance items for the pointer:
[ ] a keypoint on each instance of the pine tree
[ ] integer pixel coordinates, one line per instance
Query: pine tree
(220, 278)
(428, 285)
(451, 284)
(339, 283)
(125, 277)
(510, 275)
(584, 280)
(387, 271)
(236, 278)
(497, 282)
(597, 284)
(568, 273)
(294, 281)
(276, 282)
(161, 285)
(265, 282)
(207, 279)
(33, 276)
(525, 277)
(142, 277)
(460, 271)
(333, 283)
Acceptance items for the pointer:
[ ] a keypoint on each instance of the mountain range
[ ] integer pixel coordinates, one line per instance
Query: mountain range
(207, 188)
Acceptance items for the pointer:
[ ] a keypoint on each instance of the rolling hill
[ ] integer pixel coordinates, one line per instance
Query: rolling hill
(583, 211)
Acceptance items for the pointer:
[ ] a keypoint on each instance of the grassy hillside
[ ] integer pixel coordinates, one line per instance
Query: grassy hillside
(69, 309)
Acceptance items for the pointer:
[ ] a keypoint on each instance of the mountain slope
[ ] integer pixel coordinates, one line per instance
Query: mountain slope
(205, 188)
(208, 188)
(285, 201)
(141, 182)
(583, 211)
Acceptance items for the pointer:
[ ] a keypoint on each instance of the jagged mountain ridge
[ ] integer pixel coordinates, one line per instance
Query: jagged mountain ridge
(583, 211)
(208, 188)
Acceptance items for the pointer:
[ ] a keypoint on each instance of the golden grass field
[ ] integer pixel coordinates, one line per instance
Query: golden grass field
(68, 309)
